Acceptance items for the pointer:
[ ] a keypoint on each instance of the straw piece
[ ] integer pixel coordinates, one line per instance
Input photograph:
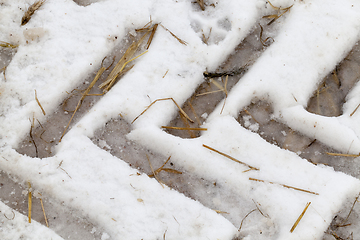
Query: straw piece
(179, 40)
(286, 186)
(151, 35)
(244, 218)
(263, 42)
(231, 158)
(86, 93)
(164, 99)
(43, 209)
(152, 169)
(185, 128)
(29, 202)
(157, 171)
(226, 93)
(32, 138)
(276, 16)
(355, 110)
(165, 73)
(343, 222)
(201, 4)
(110, 80)
(343, 154)
(7, 45)
(38, 102)
(300, 217)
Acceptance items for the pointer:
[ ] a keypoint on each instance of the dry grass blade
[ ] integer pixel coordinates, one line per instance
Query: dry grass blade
(355, 110)
(43, 209)
(38, 102)
(169, 170)
(231, 158)
(226, 93)
(119, 67)
(31, 136)
(206, 93)
(286, 186)
(278, 15)
(343, 154)
(219, 211)
(86, 93)
(31, 10)
(352, 207)
(179, 40)
(10, 218)
(206, 39)
(157, 171)
(4, 69)
(7, 45)
(248, 113)
(201, 4)
(29, 202)
(164, 99)
(242, 221)
(185, 128)
(263, 42)
(151, 35)
(154, 174)
(278, 8)
(165, 73)
(300, 217)
(267, 216)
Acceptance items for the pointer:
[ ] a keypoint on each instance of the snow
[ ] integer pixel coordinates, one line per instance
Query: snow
(64, 43)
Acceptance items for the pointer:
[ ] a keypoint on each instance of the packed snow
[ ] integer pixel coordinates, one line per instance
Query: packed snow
(64, 43)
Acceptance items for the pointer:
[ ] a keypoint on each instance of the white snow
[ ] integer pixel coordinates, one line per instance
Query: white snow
(64, 42)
